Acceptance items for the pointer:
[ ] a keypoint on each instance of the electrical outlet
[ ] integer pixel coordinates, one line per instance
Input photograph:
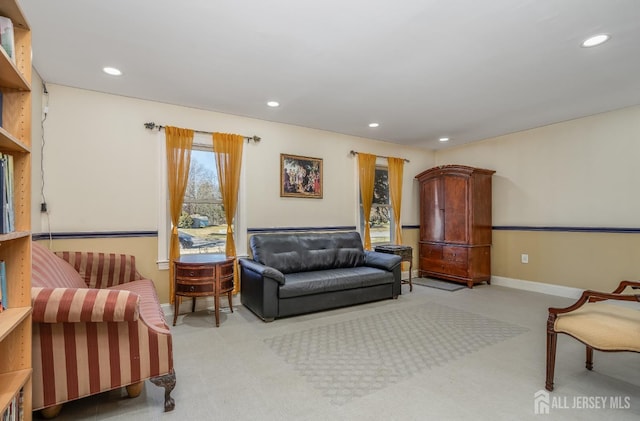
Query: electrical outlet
(524, 258)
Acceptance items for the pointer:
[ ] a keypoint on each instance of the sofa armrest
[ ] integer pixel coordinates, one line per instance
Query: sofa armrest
(102, 270)
(384, 261)
(55, 305)
(262, 270)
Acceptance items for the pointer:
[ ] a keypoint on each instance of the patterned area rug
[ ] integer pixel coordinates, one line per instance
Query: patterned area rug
(436, 283)
(351, 359)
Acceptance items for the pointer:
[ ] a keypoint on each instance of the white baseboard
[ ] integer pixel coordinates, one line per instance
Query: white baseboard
(550, 289)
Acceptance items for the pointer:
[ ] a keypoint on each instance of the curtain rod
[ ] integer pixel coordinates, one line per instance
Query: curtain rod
(152, 126)
(354, 153)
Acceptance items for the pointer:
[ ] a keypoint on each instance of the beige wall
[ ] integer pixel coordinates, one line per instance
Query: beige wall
(102, 170)
(575, 173)
(579, 173)
(581, 260)
(102, 165)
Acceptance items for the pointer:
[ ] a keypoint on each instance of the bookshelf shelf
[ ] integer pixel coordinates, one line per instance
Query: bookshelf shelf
(15, 246)
(10, 77)
(11, 318)
(9, 143)
(12, 382)
(14, 235)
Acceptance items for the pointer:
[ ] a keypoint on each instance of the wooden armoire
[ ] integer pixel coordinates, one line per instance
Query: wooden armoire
(455, 224)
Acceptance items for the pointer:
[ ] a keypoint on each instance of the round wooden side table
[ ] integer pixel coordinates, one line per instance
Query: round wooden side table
(202, 275)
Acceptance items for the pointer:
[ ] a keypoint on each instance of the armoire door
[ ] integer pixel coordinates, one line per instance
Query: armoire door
(432, 210)
(456, 209)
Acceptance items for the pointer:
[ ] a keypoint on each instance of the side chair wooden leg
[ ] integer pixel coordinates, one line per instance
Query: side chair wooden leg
(589, 358)
(551, 359)
(552, 338)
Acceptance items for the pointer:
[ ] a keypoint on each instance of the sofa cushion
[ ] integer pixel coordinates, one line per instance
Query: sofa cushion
(150, 310)
(308, 252)
(316, 282)
(50, 271)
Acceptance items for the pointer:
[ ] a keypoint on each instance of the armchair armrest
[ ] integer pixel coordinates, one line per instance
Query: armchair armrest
(102, 270)
(624, 284)
(383, 261)
(591, 296)
(262, 270)
(55, 305)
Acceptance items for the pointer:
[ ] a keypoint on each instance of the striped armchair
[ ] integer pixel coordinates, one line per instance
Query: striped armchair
(97, 326)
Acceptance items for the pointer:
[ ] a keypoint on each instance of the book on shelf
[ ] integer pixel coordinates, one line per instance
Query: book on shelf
(15, 410)
(4, 300)
(9, 184)
(7, 222)
(3, 203)
(7, 37)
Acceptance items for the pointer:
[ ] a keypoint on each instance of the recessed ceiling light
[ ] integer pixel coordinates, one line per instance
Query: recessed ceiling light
(273, 104)
(112, 71)
(444, 139)
(373, 125)
(595, 40)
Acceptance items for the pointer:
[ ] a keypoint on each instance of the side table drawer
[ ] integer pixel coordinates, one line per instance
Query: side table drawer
(194, 272)
(194, 288)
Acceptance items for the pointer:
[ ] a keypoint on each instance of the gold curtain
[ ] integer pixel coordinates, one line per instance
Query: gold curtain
(367, 175)
(228, 152)
(396, 169)
(179, 143)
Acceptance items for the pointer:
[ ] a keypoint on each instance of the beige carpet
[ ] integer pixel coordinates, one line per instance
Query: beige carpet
(476, 354)
(438, 284)
(354, 358)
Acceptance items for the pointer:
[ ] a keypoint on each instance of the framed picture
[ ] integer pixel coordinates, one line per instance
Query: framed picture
(300, 176)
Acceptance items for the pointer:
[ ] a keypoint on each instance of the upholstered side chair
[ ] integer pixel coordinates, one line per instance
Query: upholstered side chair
(598, 323)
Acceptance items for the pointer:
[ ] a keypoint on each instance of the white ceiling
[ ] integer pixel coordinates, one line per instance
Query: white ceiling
(467, 69)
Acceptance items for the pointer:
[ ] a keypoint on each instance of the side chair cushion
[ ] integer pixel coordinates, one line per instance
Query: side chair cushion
(603, 326)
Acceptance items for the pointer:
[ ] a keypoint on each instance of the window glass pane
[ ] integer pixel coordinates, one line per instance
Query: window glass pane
(381, 219)
(381, 187)
(202, 227)
(380, 224)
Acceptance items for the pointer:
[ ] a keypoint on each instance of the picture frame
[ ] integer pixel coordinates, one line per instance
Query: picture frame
(300, 176)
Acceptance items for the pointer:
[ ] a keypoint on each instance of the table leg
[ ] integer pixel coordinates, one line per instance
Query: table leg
(216, 297)
(230, 296)
(176, 305)
(410, 270)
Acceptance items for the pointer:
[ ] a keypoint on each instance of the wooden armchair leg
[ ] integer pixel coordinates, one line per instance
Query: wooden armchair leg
(51, 412)
(551, 359)
(589, 358)
(134, 390)
(168, 381)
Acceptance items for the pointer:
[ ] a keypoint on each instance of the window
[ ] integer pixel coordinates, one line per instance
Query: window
(202, 227)
(209, 238)
(381, 219)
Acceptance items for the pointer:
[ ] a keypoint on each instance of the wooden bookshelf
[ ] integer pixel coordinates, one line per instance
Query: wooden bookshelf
(15, 247)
